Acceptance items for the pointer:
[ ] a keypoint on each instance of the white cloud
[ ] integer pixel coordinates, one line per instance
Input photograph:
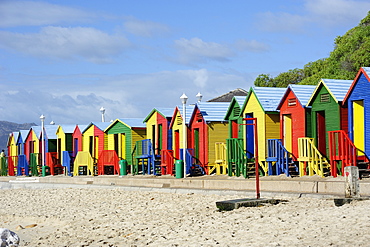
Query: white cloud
(65, 101)
(66, 43)
(198, 51)
(145, 28)
(251, 45)
(32, 13)
(336, 12)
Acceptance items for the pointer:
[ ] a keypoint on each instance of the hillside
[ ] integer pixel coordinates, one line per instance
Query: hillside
(351, 52)
(7, 127)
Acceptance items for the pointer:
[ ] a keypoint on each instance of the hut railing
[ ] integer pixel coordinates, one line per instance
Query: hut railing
(3, 166)
(277, 156)
(12, 165)
(310, 158)
(236, 157)
(167, 162)
(343, 152)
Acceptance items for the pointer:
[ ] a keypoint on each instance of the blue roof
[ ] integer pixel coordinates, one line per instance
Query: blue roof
(101, 125)
(302, 92)
(269, 97)
(213, 111)
(240, 100)
(50, 131)
(367, 70)
(166, 112)
(337, 88)
(189, 112)
(68, 128)
(133, 122)
(15, 136)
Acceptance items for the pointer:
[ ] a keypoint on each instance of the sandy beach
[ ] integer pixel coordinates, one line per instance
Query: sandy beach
(114, 217)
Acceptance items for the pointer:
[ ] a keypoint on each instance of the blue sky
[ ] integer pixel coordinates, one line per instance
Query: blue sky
(67, 59)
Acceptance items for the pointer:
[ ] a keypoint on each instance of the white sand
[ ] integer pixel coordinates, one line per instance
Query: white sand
(113, 217)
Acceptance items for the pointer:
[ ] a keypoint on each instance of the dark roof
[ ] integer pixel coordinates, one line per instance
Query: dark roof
(227, 97)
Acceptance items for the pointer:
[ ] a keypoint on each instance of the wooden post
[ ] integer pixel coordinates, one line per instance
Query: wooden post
(352, 189)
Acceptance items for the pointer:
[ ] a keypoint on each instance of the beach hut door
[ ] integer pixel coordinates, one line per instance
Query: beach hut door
(75, 150)
(177, 144)
(249, 136)
(359, 124)
(287, 131)
(321, 132)
(196, 143)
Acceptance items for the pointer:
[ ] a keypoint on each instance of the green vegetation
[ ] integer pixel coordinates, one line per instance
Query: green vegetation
(351, 52)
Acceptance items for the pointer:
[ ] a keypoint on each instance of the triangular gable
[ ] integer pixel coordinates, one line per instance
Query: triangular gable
(164, 112)
(302, 93)
(129, 122)
(236, 102)
(67, 129)
(267, 97)
(336, 88)
(100, 125)
(366, 72)
(22, 134)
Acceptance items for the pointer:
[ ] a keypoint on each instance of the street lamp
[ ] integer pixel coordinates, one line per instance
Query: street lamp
(102, 110)
(199, 97)
(42, 118)
(184, 98)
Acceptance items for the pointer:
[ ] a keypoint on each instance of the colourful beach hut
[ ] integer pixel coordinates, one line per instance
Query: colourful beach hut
(32, 142)
(158, 132)
(357, 100)
(77, 139)
(327, 110)
(12, 143)
(295, 117)
(94, 139)
(122, 135)
(208, 128)
(64, 135)
(327, 115)
(176, 126)
(261, 104)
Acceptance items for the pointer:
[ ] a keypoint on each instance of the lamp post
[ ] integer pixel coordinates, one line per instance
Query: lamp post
(184, 98)
(102, 110)
(42, 118)
(199, 97)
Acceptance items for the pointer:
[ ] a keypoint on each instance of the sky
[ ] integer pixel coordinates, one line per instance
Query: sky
(67, 59)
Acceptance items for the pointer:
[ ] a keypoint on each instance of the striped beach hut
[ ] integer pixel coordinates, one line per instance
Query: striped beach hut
(94, 139)
(122, 135)
(295, 116)
(327, 111)
(261, 104)
(208, 128)
(357, 99)
(77, 138)
(12, 143)
(177, 129)
(157, 125)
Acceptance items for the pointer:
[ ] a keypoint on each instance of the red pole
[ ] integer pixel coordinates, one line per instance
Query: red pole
(256, 159)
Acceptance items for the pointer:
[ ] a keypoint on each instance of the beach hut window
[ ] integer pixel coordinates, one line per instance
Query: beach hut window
(199, 117)
(325, 98)
(179, 120)
(292, 102)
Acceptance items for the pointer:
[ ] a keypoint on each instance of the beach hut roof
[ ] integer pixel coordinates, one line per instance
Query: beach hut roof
(236, 100)
(165, 112)
(101, 125)
(68, 128)
(22, 135)
(337, 89)
(302, 92)
(213, 111)
(268, 97)
(50, 131)
(133, 122)
(366, 72)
